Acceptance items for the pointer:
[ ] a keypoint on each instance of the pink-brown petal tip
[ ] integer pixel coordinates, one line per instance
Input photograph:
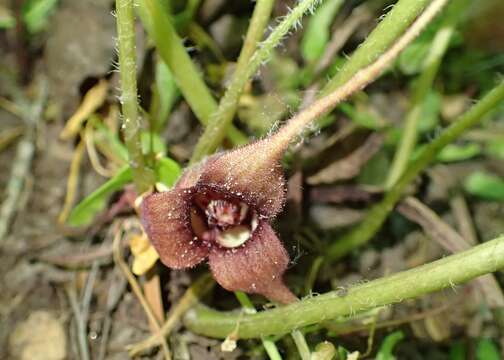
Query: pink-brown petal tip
(251, 172)
(166, 220)
(255, 267)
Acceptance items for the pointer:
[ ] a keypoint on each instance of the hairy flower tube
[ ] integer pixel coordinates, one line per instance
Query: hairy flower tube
(220, 210)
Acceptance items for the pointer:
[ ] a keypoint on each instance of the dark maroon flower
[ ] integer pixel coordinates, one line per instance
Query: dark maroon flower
(221, 209)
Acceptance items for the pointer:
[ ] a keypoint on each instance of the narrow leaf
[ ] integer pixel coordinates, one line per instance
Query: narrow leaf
(485, 185)
(86, 210)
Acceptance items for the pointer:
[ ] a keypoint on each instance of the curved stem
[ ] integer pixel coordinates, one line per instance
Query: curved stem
(174, 55)
(296, 125)
(377, 215)
(422, 88)
(441, 274)
(132, 124)
(403, 13)
(214, 132)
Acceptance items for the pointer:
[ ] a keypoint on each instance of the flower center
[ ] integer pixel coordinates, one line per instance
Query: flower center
(229, 223)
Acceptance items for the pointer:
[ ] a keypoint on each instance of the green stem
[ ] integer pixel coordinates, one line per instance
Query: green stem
(381, 38)
(441, 274)
(269, 345)
(302, 346)
(422, 88)
(214, 132)
(173, 53)
(132, 124)
(377, 215)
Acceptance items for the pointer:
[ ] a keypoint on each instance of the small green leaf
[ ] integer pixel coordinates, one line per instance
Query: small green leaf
(111, 141)
(485, 185)
(317, 33)
(487, 350)
(166, 92)
(86, 210)
(374, 172)
(411, 60)
(429, 116)
(36, 14)
(495, 148)
(458, 351)
(152, 143)
(363, 119)
(167, 171)
(452, 152)
(388, 344)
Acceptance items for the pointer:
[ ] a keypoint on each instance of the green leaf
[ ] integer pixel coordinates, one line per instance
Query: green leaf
(452, 152)
(363, 119)
(487, 350)
(166, 92)
(458, 351)
(485, 185)
(167, 171)
(84, 213)
(36, 13)
(152, 143)
(374, 172)
(388, 344)
(495, 148)
(429, 116)
(111, 140)
(317, 33)
(411, 60)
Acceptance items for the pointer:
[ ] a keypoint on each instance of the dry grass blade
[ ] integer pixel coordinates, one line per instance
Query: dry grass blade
(72, 182)
(452, 241)
(93, 99)
(462, 216)
(138, 292)
(349, 166)
(189, 299)
(93, 154)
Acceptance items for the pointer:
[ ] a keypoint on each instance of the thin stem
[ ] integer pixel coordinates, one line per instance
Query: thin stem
(258, 23)
(214, 132)
(422, 88)
(268, 344)
(302, 346)
(381, 38)
(227, 106)
(172, 52)
(296, 125)
(132, 124)
(377, 215)
(441, 274)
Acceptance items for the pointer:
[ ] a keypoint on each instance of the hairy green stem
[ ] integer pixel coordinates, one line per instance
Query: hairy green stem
(382, 37)
(297, 125)
(132, 124)
(377, 215)
(214, 132)
(441, 274)
(268, 344)
(173, 53)
(420, 91)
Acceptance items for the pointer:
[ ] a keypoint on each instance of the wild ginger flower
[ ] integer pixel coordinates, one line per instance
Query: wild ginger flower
(221, 209)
